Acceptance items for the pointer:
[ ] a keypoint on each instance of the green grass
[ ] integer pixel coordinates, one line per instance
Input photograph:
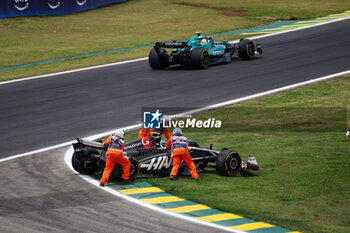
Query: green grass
(137, 22)
(298, 138)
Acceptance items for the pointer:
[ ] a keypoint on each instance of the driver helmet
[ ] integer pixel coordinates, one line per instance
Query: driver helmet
(177, 131)
(204, 41)
(155, 133)
(119, 133)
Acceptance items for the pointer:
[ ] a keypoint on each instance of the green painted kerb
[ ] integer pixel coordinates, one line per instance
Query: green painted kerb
(145, 192)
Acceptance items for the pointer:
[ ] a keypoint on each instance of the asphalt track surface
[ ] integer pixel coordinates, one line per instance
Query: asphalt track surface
(40, 194)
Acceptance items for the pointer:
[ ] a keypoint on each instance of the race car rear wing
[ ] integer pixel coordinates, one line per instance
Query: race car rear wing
(171, 45)
(93, 144)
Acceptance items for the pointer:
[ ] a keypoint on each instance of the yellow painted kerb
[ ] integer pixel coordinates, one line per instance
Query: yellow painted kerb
(189, 208)
(141, 190)
(219, 217)
(252, 226)
(158, 200)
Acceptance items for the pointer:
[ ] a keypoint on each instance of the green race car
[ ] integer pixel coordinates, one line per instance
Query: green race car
(200, 52)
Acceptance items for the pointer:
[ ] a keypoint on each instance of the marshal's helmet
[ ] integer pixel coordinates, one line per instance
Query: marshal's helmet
(177, 131)
(119, 133)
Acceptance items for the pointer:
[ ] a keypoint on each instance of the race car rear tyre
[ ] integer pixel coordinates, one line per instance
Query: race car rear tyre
(158, 59)
(228, 162)
(78, 165)
(118, 171)
(193, 143)
(246, 49)
(199, 58)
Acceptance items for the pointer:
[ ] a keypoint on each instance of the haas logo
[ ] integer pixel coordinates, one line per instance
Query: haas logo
(21, 5)
(160, 163)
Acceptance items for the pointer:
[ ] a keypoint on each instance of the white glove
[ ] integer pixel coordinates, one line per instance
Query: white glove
(347, 133)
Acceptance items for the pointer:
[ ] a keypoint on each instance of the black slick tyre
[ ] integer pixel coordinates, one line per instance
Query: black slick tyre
(199, 58)
(78, 165)
(118, 171)
(228, 162)
(193, 143)
(158, 59)
(246, 49)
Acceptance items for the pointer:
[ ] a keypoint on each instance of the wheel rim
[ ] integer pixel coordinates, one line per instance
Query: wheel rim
(205, 58)
(233, 163)
(132, 169)
(250, 49)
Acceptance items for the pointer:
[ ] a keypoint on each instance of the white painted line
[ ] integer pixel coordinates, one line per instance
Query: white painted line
(145, 58)
(72, 71)
(35, 151)
(68, 159)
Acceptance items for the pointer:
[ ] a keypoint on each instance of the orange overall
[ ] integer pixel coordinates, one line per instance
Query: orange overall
(115, 155)
(144, 133)
(180, 152)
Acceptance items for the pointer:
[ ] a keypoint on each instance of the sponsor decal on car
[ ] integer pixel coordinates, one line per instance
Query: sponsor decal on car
(146, 142)
(217, 53)
(159, 163)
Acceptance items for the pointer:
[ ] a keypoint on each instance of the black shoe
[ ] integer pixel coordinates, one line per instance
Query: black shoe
(102, 185)
(197, 179)
(128, 181)
(172, 177)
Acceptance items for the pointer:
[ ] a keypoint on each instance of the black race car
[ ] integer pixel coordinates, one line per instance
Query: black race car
(149, 158)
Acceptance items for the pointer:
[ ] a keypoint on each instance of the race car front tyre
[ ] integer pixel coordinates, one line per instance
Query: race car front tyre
(118, 171)
(158, 59)
(193, 143)
(228, 162)
(83, 167)
(199, 58)
(246, 49)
